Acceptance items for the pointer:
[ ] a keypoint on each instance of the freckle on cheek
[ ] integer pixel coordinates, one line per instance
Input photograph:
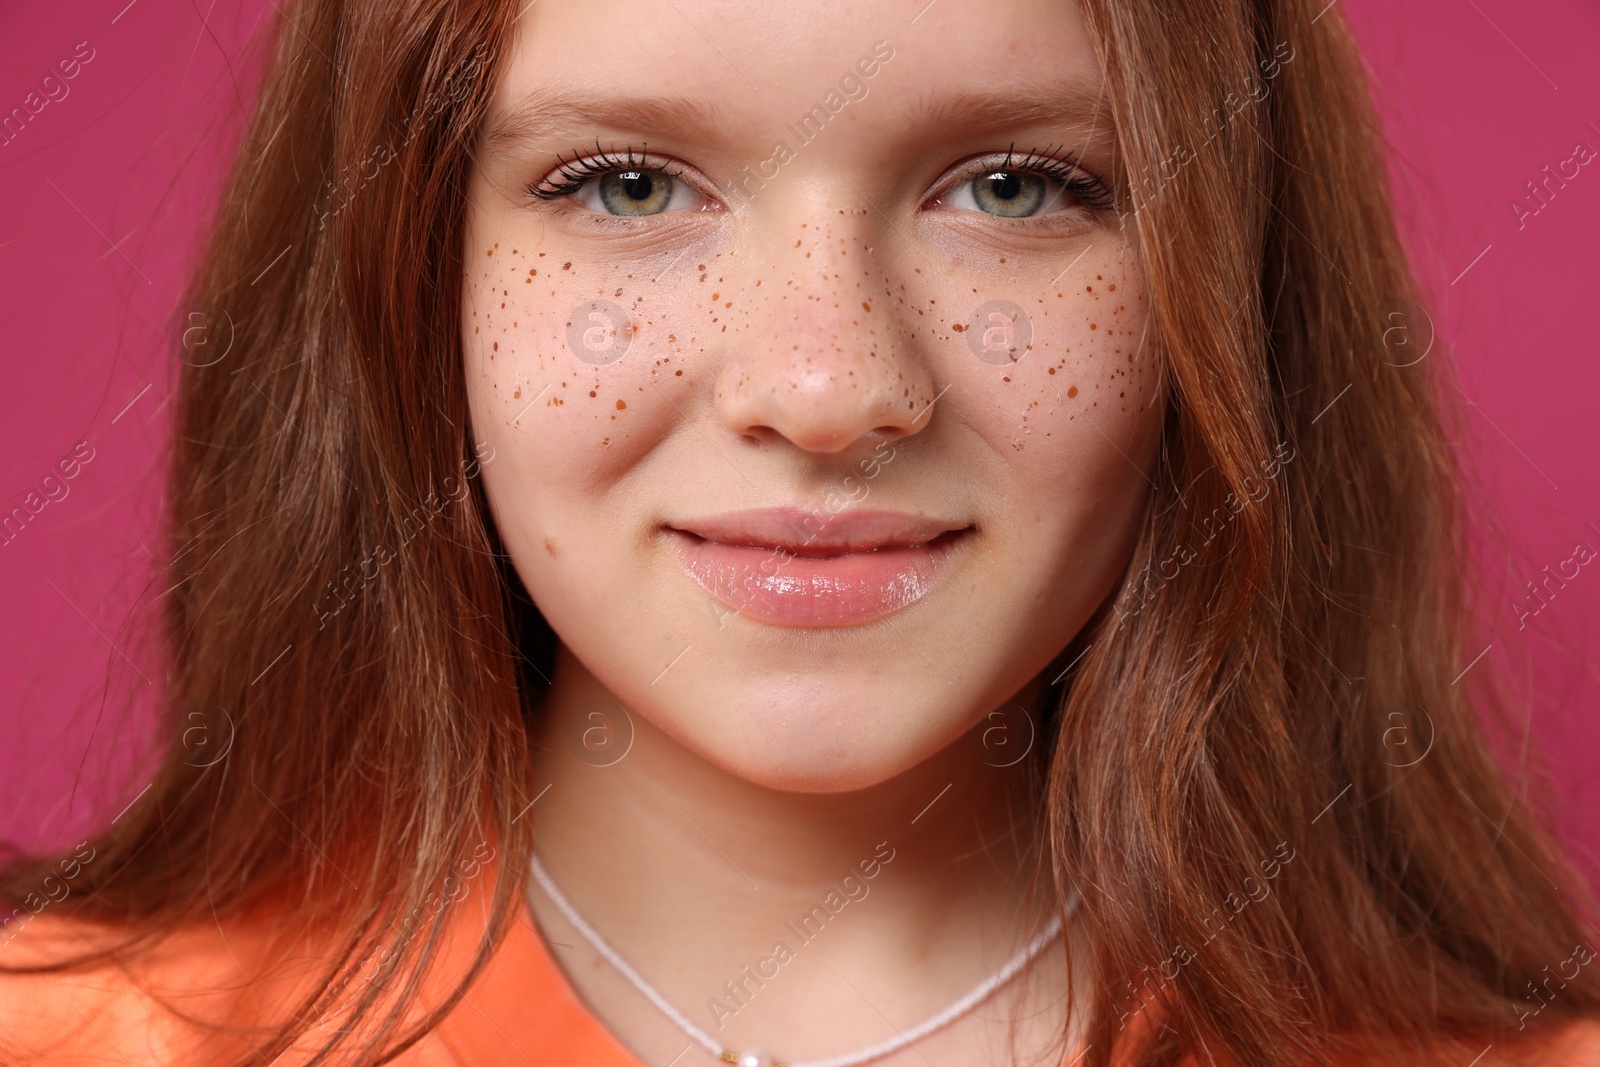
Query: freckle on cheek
(550, 547)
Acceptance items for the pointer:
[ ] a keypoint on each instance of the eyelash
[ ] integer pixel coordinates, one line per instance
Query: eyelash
(577, 172)
(1059, 164)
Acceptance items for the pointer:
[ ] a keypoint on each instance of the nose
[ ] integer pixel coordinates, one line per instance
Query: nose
(826, 360)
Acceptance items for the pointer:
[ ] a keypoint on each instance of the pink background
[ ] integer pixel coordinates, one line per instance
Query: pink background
(106, 191)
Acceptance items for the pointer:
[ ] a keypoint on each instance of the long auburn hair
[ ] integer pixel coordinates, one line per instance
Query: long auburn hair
(1227, 719)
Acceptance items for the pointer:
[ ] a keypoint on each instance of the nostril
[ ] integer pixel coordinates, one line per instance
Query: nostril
(757, 435)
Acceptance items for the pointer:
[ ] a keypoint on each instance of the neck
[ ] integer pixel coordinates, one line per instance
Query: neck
(916, 888)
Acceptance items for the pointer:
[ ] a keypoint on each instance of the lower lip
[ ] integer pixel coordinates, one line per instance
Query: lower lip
(772, 586)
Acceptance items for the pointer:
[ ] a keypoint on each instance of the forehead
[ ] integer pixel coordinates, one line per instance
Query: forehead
(742, 70)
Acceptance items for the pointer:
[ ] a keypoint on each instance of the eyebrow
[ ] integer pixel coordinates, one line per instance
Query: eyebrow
(561, 109)
(1053, 103)
(1077, 102)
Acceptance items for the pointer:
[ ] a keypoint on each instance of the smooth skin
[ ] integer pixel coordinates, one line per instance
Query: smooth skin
(783, 331)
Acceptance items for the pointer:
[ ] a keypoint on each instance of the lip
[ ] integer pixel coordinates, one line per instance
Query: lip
(792, 566)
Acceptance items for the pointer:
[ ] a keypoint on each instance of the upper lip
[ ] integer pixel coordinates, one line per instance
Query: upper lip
(810, 532)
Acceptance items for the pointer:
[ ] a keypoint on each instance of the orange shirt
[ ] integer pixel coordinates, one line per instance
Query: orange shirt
(522, 1011)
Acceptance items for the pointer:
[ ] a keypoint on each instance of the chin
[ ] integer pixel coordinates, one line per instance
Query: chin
(840, 743)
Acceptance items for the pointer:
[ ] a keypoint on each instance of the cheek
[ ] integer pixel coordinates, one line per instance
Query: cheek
(1084, 389)
(578, 373)
(1071, 432)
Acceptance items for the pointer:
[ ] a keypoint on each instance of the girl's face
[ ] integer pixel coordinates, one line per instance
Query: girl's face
(810, 345)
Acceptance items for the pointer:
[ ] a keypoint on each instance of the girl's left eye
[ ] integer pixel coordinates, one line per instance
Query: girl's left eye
(1012, 194)
(1041, 186)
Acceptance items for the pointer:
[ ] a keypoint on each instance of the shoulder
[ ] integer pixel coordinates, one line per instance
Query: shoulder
(94, 1013)
(197, 995)
(1573, 1044)
(193, 997)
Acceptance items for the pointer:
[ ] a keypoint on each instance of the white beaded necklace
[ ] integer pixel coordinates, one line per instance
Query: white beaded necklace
(977, 996)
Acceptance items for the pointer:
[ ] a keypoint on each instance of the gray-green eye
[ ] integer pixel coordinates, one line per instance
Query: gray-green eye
(635, 192)
(1011, 194)
(628, 191)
